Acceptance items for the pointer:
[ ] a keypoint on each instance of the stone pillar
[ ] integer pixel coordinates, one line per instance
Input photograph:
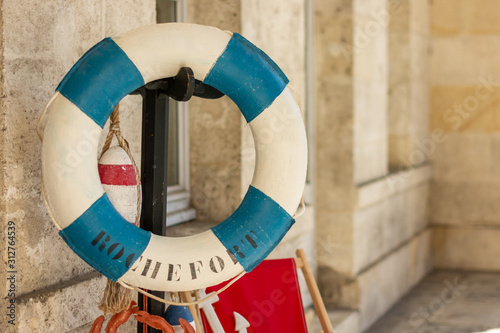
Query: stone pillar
(409, 143)
(371, 250)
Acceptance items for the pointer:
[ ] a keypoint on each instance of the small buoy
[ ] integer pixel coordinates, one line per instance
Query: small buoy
(174, 312)
(118, 180)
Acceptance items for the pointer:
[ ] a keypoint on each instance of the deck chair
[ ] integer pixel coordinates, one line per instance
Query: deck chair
(268, 299)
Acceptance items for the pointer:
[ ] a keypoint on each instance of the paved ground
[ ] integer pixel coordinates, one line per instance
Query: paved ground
(447, 302)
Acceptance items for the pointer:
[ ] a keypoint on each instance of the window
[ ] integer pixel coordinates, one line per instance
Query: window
(178, 196)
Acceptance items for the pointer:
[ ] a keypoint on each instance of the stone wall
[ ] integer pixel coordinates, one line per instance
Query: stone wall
(372, 227)
(465, 107)
(56, 291)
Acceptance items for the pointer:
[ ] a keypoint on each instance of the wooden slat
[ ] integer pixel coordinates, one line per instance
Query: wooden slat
(314, 291)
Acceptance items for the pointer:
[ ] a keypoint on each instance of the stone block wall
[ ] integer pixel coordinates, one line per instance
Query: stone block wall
(55, 290)
(465, 108)
(374, 240)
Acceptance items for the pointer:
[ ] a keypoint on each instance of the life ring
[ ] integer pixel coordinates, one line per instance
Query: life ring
(84, 100)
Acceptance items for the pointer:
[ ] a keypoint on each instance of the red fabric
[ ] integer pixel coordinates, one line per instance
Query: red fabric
(268, 298)
(116, 174)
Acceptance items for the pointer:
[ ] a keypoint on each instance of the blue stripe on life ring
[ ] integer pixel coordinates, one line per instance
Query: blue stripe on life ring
(100, 79)
(105, 240)
(248, 76)
(254, 229)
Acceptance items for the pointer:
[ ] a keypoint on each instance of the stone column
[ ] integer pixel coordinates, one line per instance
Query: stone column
(368, 241)
(409, 142)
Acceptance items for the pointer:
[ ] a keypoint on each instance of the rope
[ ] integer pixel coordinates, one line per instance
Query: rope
(116, 298)
(114, 130)
(236, 278)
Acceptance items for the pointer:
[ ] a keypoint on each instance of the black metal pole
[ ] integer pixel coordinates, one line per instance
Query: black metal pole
(154, 155)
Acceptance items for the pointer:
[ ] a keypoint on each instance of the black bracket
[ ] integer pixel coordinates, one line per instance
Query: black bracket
(182, 87)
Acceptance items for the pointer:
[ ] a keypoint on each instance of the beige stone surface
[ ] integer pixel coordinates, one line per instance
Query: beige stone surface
(61, 308)
(334, 118)
(370, 56)
(408, 101)
(382, 227)
(334, 157)
(394, 184)
(335, 192)
(465, 17)
(333, 42)
(470, 248)
(466, 108)
(467, 158)
(370, 68)
(462, 60)
(473, 205)
(370, 131)
(343, 321)
(446, 302)
(223, 14)
(118, 18)
(420, 16)
(465, 80)
(335, 244)
(339, 291)
(42, 41)
(465, 187)
(385, 283)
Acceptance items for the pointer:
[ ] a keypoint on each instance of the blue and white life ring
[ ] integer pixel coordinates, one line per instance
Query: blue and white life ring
(84, 100)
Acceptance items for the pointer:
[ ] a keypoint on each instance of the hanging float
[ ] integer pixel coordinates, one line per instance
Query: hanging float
(83, 102)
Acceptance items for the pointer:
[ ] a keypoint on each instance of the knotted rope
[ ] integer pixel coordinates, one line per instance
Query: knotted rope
(115, 297)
